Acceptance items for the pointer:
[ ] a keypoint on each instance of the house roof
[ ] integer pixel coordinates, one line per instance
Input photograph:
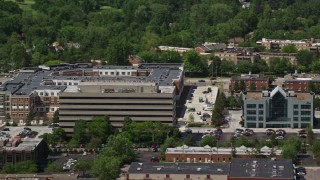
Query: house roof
(261, 168)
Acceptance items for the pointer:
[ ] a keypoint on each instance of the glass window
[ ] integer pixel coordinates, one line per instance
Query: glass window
(296, 106)
(305, 118)
(295, 119)
(260, 125)
(260, 112)
(251, 106)
(251, 125)
(278, 107)
(251, 118)
(251, 112)
(260, 118)
(295, 125)
(296, 112)
(260, 106)
(305, 106)
(305, 113)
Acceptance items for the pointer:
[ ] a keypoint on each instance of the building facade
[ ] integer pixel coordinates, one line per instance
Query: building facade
(213, 154)
(15, 150)
(260, 83)
(278, 109)
(277, 44)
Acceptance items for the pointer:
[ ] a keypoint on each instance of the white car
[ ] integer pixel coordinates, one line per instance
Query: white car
(66, 168)
(280, 137)
(189, 101)
(208, 131)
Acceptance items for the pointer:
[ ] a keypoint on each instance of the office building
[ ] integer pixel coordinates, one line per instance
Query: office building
(147, 92)
(278, 109)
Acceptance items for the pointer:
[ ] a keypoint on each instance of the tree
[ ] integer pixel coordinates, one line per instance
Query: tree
(106, 168)
(189, 141)
(100, 127)
(242, 86)
(80, 134)
(305, 58)
(53, 168)
(316, 149)
(310, 135)
(56, 116)
(244, 67)
(233, 102)
(236, 86)
(289, 152)
(193, 62)
(29, 118)
(191, 117)
(252, 86)
(208, 140)
(126, 123)
(290, 48)
(83, 166)
(23, 167)
(315, 67)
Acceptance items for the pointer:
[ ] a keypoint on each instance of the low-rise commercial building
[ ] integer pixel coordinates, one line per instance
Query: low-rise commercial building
(260, 83)
(261, 169)
(17, 150)
(302, 83)
(213, 154)
(278, 109)
(277, 44)
(178, 171)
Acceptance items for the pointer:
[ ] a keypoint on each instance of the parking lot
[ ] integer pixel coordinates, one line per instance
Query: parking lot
(313, 173)
(200, 100)
(14, 131)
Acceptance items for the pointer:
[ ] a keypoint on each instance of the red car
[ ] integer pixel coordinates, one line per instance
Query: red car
(247, 133)
(154, 159)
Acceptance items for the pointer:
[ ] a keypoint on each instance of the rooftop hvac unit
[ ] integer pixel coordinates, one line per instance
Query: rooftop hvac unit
(198, 169)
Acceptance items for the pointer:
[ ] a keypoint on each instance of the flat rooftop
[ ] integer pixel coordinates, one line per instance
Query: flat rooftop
(178, 168)
(26, 82)
(261, 168)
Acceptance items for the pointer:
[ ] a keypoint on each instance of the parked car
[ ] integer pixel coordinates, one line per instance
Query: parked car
(5, 129)
(27, 128)
(66, 168)
(201, 80)
(217, 136)
(248, 133)
(280, 137)
(208, 131)
(239, 130)
(154, 159)
(281, 131)
(199, 113)
(270, 131)
(218, 130)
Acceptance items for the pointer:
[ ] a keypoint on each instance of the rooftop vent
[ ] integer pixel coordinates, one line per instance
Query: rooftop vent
(138, 169)
(281, 167)
(140, 164)
(159, 168)
(198, 169)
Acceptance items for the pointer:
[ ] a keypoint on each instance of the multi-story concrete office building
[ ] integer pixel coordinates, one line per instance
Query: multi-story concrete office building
(147, 93)
(278, 109)
(80, 91)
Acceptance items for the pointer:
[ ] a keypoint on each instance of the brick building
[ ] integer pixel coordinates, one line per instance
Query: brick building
(208, 154)
(261, 83)
(301, 83)
(261, 169)
(178, 171)
(17, 150)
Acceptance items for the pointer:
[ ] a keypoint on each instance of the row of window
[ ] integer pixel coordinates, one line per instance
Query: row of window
(254, 112)
(115, 73)
(303, 106)
(308, 113)
(255, 106)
